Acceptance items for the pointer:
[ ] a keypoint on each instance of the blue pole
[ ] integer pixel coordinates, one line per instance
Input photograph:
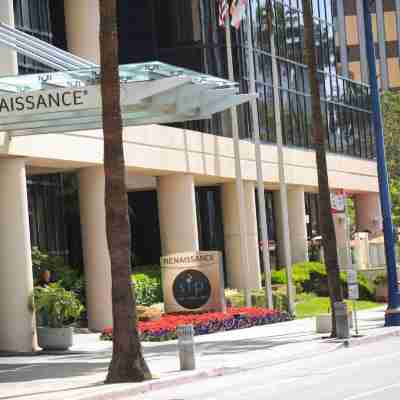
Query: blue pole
(392, 315)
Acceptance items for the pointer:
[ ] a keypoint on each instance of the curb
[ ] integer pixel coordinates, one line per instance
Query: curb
(354, 342)
(114, 392)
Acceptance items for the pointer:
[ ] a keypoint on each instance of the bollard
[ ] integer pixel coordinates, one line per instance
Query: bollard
(185, 335)
(342, 321)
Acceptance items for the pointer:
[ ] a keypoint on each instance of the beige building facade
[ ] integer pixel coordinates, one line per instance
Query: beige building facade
(172, 161)
(351, 41)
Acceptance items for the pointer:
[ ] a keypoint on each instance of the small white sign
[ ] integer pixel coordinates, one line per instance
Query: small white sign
(352, 277)
(354, 292)
(338, 202)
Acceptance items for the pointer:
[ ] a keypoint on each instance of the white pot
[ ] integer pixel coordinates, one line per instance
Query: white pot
(54, 338)
(324, 322)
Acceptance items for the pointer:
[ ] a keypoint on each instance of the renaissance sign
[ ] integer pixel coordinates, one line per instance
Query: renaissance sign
(193, 282)
(42, 101)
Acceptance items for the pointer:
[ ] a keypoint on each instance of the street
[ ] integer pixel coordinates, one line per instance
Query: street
(363, 372)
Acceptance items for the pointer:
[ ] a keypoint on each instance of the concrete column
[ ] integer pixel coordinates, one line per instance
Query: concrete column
(230, 208)
(8, 64)
(279, 229)
(95, 248)
(17, 329)
(368, 213)
(177, 212)
(82, 22)
(297, 225)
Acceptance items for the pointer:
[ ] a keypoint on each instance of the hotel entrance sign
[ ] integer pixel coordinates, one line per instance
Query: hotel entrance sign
(193, 282)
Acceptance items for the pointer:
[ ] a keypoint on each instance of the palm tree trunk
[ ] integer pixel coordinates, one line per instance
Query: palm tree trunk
(127, 364)
(319, 139)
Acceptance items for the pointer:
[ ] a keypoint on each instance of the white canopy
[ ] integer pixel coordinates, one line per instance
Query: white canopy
(70, 100)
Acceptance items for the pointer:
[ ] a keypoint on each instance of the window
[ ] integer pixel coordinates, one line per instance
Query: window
(43, 19)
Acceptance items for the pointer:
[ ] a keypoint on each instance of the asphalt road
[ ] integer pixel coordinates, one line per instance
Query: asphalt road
(365, 372)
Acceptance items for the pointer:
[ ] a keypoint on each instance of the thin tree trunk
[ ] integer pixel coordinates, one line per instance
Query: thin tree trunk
(319, 139)
(127, 364)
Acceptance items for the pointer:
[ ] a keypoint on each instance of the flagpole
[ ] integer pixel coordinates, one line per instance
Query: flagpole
(238, 173)
(283, 196)
(260, 179)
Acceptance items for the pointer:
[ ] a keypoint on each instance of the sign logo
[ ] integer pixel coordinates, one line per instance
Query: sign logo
(191, 289)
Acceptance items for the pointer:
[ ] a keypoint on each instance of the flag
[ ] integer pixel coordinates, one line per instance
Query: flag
(223, 12)
(238, 12)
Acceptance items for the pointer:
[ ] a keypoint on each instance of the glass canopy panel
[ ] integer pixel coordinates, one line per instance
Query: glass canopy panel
(128, 73)
(150, 93)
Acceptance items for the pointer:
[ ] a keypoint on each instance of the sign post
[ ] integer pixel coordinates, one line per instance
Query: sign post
(339, 206)
(354, 293)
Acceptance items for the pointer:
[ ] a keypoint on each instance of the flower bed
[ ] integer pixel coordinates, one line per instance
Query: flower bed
(204, 323)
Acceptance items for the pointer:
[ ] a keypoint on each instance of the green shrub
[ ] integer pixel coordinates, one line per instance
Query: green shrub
(311, 277)
(278, 277)
(66, 276)
(280, 300)
(366, 288)
(61, 307)
(148, 287)
(235, 298)
(380, 279)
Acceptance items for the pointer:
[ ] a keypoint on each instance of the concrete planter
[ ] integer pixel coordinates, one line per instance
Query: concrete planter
(54, 338)
(324, 322)
(381, 292)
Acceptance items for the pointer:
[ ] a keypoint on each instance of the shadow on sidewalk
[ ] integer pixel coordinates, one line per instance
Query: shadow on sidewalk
(14, 373)
(234, 346)
(47, 392)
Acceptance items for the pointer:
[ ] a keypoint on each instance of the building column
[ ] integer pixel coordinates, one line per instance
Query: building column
(236, 275)
(9, 64)
(82, 22)
(17, 328)
(177, 212)
(298, 225)
(96, 256)
(368, 213)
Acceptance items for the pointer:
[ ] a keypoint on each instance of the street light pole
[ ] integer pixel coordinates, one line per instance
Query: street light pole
(283, 194)
(245, 262)
(260, 179)
(392, 316)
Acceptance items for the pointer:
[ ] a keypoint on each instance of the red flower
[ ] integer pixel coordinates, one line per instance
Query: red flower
(203, 322)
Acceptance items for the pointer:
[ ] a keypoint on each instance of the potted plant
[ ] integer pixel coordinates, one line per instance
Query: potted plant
(381, 288)
(56, 308)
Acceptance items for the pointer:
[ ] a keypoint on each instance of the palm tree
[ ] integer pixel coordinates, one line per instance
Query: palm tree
(127, 364)
(319, 139)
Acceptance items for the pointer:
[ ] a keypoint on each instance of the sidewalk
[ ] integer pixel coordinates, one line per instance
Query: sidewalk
(78, 374)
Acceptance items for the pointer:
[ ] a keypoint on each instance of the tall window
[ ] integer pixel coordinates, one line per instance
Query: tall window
(43, 19)
(46, 214)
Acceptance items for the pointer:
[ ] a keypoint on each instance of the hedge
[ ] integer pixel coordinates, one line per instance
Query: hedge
(311, 277)
(148, 287)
